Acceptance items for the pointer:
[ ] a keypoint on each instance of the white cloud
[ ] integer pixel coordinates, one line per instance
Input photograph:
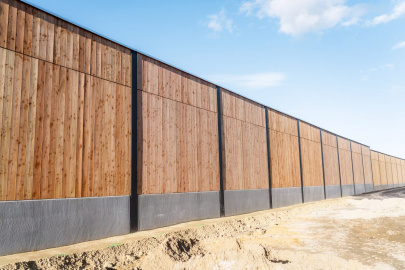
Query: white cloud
(256, 81)
(399, 46)
(302, 16)
(220, 22)
(398, 11)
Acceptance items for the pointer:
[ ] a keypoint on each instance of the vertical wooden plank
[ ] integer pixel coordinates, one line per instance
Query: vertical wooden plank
(53, 150)
(28, 30)
(60, 177)
(39, 130)
(87, 137)
(46, 132)
(74, 88)
(32, 123)
(36, 30)
(79, 151)
(6, 122)
(43, 35)
(82, 44)
(57, 42)
(67, 191)
(87, 53)
(76, 47)
(50, 39)
(19, 42)
(22, 140)
(14, 128)
(4, 69)
(69, 45)
(4, 11)
(12, 26)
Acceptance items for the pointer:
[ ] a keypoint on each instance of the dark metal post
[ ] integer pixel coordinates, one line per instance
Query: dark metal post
(351, 155)
(268, 154)
(323, 166)
(221, 179)
(340, 176)
(134, 221)
(299, 149)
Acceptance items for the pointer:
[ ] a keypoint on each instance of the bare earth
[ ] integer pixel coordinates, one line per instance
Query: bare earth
(363, 232)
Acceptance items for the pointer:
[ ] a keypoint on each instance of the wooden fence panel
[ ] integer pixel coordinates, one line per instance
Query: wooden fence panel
(388, 168)
(244, 143)
(375, 164)
(383, 170)
(284, 152)
(346, 170)
(311, 155)
(357, 163)
(368, 174)
(394, 170)
(330, 159)
(56, 122)
(177, 131)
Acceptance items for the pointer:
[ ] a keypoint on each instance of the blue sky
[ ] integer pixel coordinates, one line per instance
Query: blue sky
(337, 64)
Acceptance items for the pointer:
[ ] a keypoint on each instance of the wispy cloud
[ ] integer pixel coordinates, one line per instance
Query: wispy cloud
(300, 17)
(371, 72)
(220, 22)
(258, 81)
(399, 45)
(397, 12)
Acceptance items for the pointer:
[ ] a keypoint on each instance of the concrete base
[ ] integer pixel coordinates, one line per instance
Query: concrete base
(378, 188)
(41, 224)
(397, 185)
(360, 189)
(333, 192)
(160, 210)
(369, 187)
(314, 193)
(347, 190)
(282, 197)
(246, 201)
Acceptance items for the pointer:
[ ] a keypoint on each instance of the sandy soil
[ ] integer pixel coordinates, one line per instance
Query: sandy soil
(350, 233)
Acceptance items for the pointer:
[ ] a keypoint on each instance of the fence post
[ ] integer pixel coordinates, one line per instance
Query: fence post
(268, 154)
(134, 183)
(299, 150)
(221, 179)
(340, 176)
(323, 166)
(351, 156)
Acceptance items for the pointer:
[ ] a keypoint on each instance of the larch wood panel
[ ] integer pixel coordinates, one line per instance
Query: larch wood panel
(375, 164)
(383, 169)
(54, 123)
(394, 170)
(388, 168)
(399, 169)
(244, 143)
(330, 159)
(311, 155)
(357, 163)
(345, 158)
(368, 174)
(403, 170)
(162, 80)
(285, 163)
(284, 152)
(30, 31)
(177, 146)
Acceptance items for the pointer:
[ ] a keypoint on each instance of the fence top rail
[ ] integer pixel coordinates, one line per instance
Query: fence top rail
(386, 154)
(173, 66)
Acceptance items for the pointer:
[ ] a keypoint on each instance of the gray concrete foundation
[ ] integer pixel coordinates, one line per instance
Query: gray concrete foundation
(314, 193)
(282, 197)
(360, 189)
(347, 190)
(246, 201)
(41, 224)
(377, 188)
(369, 187)
(160, 210)
(333, 192)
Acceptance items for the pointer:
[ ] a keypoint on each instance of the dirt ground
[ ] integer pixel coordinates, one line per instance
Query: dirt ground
(362, 232)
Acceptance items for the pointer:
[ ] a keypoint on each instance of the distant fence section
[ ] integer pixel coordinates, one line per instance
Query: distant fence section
(98, 139)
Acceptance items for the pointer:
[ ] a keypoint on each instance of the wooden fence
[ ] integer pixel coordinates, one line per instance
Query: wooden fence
(65, 117)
